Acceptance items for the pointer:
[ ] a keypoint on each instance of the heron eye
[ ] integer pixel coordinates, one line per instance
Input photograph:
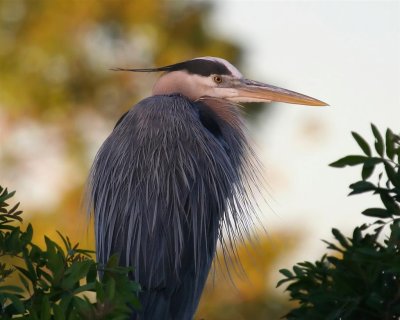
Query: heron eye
(217, 79)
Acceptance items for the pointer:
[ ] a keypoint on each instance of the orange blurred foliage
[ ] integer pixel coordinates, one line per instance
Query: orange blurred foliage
(246, 292)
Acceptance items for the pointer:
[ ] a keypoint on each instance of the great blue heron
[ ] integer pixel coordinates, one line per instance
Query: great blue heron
(170, 178)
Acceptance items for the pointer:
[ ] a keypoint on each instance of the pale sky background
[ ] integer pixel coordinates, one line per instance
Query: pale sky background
(344, 53)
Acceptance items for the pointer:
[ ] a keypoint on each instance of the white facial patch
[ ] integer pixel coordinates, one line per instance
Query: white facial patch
(235, 72)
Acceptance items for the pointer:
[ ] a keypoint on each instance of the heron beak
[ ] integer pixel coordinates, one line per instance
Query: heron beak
(253, 91)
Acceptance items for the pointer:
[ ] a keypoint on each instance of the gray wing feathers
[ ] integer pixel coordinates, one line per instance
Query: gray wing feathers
(162, 188)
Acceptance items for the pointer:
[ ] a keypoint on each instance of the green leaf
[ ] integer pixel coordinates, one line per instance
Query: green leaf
(80, 304)
(113, 261)
(86, 287)
(369, 166)
(110, 289)
(50, 246)
(77, 271)
(26, 273)
(73, 315)
(362, 143)
(16, 302)
(398, 154)
(282, 281)
(29, 233)
(361, 186)
(58, 313)
(389, 202)
(379, 145)
(390, 147)
(392, 175)
(36, 253)
(42, 273)
(56, 263)
(135, 303)
(92, 273)
(349, 161)
(6, 195)
(340, 237)
(99, 292)
(333, 246)
(367, 171)
(45, 309)
(65, 302)
(30, 268)
(377, 213)
(66, 244)
(135, 286)
(333, 260)
(298, 271)
(357, 235)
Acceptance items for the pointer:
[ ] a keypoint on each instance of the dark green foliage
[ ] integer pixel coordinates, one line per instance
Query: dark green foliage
(54, 283)
(362, 279)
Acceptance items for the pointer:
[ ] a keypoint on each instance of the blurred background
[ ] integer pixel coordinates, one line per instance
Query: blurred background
(59, 101)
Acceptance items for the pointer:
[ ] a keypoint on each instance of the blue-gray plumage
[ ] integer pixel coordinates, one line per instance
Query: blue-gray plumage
(172, 176)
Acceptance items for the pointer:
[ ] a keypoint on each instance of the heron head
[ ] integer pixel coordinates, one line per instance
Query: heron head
(217, 78)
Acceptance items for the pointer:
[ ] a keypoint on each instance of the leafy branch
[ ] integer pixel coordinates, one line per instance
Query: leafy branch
(361, 280)
(55, 282)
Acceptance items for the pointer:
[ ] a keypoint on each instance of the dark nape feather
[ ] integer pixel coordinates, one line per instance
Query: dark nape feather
(203, 67)
(120, 119)
(171, 181)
